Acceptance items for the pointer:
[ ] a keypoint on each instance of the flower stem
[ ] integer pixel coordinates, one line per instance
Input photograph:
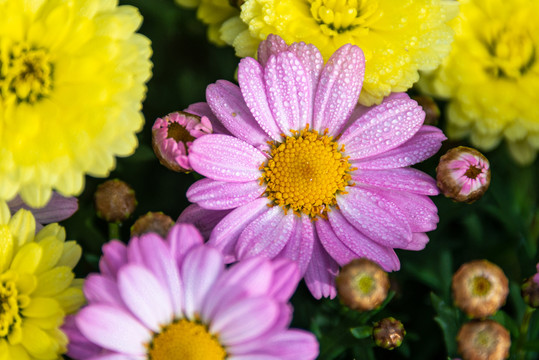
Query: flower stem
(524, 332)
(114, 230)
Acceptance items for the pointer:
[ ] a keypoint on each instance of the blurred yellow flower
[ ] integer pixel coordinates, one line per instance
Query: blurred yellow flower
(72, 78)
(491, 76)
(398, 37)
(37, 287)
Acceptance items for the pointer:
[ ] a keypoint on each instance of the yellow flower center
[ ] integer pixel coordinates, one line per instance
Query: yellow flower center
(10, 318)
(365, 284)
(305, 173)
(186, 340)
(25, 74)
(513, 53)
(339, 16)
(480, 286)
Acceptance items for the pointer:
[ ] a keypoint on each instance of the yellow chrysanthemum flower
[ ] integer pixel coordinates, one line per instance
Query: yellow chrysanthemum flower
(37, 287)
(491, 76)
(72, 78)
(398, 37)
(213, 13)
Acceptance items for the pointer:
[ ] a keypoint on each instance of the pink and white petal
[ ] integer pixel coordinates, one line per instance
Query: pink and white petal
(291, 345)
(402, 179)
(102, 289)
(266, 235)
(424, 144)
(226, 233)
(79, 347)
(253, 357)
(383, 128)
(251, 80)
(58, 208)
(375, 217)
(286, 278)
(223, 157)
(356, 242)
(200, 269)
(145, 297)
(419, 241)
(273, 45)
(203, 109)
(203, 219)
(338, 89)
(114, 257)
(114, 329)
(289, 92)
(227, 103)
(181, 238)
(420, 211)
(117, 356)
(245, 320)
(299, 247)
(321, 272)
(158, 258)
(312, 61)
(223, 195)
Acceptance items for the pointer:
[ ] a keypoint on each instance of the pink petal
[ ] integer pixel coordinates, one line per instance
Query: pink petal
(344, 243)
(311, 59)
(102, 289)
(79, 346)
(420, 211)
(200, 268)
(289, 92)
(383, 128)
(57, 209)
(271, 46)
(227, 232)
(285, 279)
(222, 195)
(116, 356)
(114, 329)
(251, 79)
(375, 217)
(226, 101)
(299, 247)
(338, 89)
(223, 157)
(114, 256)
(419, 241)
(203, 109)
(424, 144)
(245, 320)
(403, 179)
(266, 235)
(181, 238)
(203, 219)
(321, 272)
(158, 258)
(291, 345)
(144, 295)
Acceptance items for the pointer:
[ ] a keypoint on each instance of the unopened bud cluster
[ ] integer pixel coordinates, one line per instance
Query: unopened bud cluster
(114, 201)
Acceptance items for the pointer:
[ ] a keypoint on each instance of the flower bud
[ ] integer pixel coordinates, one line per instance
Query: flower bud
(530, 290)
(155, 222)
(172, 135)
(114, 201)
(480, 288)
(388, 333)
(483, 340)
(432, 111)
(463, 174)
(362, 285)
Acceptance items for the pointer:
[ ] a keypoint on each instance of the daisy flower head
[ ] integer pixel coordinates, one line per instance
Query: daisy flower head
(173, 298)
(303, 173)
(491, 76)
(397, 37)
(72, 78)
(37, 286)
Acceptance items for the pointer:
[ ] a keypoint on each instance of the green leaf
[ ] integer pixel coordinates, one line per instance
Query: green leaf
(449, 320)
(361, 332)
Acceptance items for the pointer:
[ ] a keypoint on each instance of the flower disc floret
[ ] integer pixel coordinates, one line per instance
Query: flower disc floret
(306, 172)
(72, 79)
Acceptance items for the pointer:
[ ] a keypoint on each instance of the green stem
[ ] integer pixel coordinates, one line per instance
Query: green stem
(523, 336)
(114, 230)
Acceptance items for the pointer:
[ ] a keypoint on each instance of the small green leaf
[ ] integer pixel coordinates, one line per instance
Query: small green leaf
(449, 320)
(361, 332)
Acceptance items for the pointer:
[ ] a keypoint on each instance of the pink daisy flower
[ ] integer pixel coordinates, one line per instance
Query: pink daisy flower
(174, 299)
(536, 276)
(172, 134)
(303, 173)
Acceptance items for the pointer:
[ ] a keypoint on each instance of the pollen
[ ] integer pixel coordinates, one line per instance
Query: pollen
(186, 340)
(306, 172)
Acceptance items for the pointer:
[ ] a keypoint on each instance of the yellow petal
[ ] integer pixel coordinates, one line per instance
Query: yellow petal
(26, 283)
(37, 342)
(52, 251)
(71, 299)
(42, 307)
(54, 230)
(6, 247)
(27, 258)
(5, 214)
(23, 227)
(54, 281)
